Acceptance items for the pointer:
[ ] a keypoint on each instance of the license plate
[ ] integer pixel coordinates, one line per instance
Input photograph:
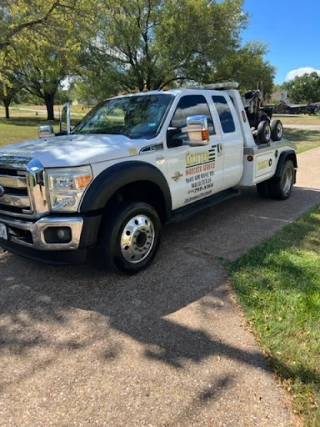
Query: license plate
(3, 232)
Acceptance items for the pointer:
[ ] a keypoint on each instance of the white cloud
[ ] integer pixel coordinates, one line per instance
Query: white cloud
(300, 72)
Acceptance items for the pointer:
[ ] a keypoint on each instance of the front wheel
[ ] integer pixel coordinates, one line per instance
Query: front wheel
(130, 237)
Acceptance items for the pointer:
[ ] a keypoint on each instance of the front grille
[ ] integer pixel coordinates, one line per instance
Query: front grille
(16, 199)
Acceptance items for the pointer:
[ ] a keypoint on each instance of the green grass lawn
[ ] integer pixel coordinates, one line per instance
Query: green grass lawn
(19, 129)
(298, 119)
(278, 286)
(303, 139)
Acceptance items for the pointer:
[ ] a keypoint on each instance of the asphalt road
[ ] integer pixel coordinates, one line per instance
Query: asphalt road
(168, 347)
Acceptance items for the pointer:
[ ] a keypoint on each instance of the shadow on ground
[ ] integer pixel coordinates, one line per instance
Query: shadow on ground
(176, 313)
(186, 271)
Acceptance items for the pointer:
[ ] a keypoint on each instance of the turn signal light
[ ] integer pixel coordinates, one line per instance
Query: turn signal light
(205, 135)
(83, 181)
(250, 158)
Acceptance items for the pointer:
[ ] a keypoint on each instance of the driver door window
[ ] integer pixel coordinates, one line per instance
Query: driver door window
(191, 105)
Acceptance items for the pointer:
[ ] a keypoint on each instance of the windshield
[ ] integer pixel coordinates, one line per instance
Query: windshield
(133, 116)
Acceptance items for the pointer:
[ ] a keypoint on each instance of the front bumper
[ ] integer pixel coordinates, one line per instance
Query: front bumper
(27, 239)
(32, 234)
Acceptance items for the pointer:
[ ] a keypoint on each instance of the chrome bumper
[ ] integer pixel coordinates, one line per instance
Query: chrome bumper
(37, 229)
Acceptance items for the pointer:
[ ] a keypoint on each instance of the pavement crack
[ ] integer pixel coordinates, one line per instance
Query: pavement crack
(203, 254)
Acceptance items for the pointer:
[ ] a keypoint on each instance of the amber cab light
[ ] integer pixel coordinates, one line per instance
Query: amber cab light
(205, 135)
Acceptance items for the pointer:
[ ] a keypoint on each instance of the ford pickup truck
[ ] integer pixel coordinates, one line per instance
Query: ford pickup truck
(134, 163)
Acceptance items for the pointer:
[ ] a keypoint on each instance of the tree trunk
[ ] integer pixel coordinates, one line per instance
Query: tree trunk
(7, 105)
(49, 100)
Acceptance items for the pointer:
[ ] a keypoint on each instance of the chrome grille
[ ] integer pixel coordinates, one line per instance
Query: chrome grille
(22, 187)
(16, 199)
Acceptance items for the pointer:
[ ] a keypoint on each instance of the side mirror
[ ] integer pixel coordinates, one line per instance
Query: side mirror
(197, 130)
(65, 127)
(45, 131)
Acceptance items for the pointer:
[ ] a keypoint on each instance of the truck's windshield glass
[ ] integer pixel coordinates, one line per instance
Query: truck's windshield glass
(133, 116)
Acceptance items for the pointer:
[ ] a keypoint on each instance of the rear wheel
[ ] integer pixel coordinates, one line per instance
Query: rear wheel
(278, 188)
(264, 189)
(130, 237)
(282, 187)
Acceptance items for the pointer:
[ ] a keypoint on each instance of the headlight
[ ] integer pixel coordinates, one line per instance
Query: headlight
(66, 187)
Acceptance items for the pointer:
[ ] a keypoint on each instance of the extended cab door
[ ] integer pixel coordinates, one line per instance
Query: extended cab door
(232, 140)
(193, 172)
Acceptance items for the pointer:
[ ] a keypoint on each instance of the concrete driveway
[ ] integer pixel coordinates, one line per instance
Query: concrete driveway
(168, 347)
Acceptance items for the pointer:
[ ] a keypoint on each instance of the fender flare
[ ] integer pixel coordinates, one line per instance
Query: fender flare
(286, 155)
(108, 182)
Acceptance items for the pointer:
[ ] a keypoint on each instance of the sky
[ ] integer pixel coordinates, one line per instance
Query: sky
(292, 30)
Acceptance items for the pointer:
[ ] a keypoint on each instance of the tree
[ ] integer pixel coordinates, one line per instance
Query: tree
(150, 43)
(46, 67)
(130, 44)
(46, 54)
(49, 53)
(18, 17)
(304, 88)
(247, 66)
(9, 88)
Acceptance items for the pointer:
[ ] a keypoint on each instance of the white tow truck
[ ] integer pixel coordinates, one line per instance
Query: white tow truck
(133, 164)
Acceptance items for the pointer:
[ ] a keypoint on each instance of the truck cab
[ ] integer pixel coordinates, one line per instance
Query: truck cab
(133, 164)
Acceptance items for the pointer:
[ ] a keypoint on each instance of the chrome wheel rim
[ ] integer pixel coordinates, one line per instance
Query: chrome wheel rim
(279, 130)
(137, 239)
(267, 132)
(287, 180)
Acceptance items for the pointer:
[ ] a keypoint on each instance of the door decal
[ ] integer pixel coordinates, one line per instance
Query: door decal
(199, 173)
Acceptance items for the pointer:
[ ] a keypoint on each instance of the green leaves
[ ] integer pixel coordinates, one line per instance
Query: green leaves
(44, 40)
(247, 66)
(152, 42)
(128, 44)
(304, 88)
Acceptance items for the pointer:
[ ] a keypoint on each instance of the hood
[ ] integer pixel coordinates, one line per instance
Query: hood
(74, 150)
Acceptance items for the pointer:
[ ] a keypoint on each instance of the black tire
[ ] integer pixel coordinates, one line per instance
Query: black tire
(264, 189)
(265, 118)
(263, 132)
(282, 187)
(133, 250)
(276, 130)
